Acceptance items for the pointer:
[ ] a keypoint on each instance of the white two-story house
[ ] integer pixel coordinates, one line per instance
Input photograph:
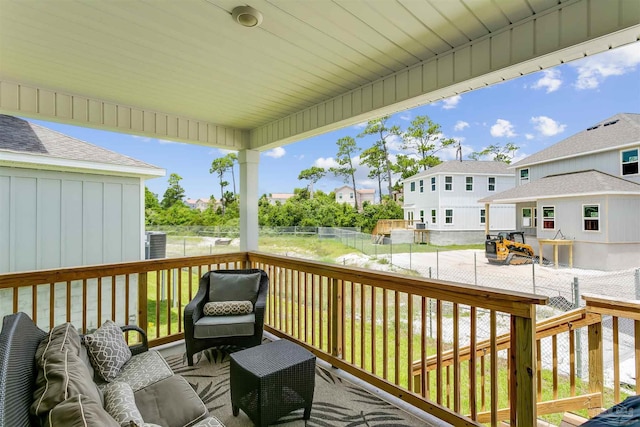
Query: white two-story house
(584, 189)
(445, 199)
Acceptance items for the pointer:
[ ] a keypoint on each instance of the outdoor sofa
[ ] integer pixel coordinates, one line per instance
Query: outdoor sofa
(48, 379)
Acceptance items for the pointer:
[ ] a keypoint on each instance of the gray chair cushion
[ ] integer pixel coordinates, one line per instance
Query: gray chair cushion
(225, 326)
(234, 287)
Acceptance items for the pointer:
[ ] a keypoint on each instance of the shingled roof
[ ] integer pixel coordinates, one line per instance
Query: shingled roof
(19, 136)
(574, 184)
(613, 133)
(465, 167)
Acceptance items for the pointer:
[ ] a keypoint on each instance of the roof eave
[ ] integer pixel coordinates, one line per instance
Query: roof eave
(33, 161)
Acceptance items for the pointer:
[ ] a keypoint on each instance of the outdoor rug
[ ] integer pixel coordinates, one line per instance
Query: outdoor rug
(336, 402)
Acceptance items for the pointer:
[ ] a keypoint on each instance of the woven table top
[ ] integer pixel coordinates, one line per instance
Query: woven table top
(271, 357)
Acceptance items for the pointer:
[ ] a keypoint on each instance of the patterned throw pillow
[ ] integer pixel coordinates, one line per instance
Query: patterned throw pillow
(227, 308)
(120, 403)
(108, 350)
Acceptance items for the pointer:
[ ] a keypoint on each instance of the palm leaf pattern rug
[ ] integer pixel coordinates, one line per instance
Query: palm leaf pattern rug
(336, 402)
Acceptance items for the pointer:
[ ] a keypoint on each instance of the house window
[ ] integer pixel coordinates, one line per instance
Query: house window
(524, 176)
(483, 216)
(492, 183)
(421, 216)
(548, 217)
(421, 186)
(351, 195)
(410, 216)
(448, 216)
(433, 216)
(448, 183)
(340, 196)
(526, 217)
(469, 183)
(433, 183)
(413, 186)
(591, 217)
(630, 162)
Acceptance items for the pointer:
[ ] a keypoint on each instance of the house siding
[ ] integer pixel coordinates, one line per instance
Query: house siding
(466, 209)
(60, 219)
(608, 162)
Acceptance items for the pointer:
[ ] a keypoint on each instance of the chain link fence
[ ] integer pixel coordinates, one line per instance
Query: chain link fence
(563, 286)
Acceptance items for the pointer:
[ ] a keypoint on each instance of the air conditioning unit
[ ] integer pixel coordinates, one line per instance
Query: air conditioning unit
(421, 226)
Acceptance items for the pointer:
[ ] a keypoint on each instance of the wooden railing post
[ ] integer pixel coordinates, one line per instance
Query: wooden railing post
(336, 318)
(596, 359)
(523, 370)
(142, 301)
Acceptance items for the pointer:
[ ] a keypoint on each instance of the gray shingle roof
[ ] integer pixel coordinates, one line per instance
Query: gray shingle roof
(20, 136)
(615, 132)
(572, 184)
(466, 166)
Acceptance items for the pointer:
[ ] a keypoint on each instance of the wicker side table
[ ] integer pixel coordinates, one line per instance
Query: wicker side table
(271, 380)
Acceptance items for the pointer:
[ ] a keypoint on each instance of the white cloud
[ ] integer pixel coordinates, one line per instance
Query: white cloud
(502, 128)
(593, 70)
(224, 151)
(142, 138)
(550, 81)
(547, 126)
(529, 136)
(451, 102)
(299, 156)
(325, 163)
(460, 125)
(406, 117)
(276, 153)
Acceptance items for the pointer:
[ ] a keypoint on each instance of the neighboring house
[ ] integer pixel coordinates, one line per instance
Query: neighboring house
(279, 197)
(445, 198)
(65, 202)
(585, 188)
(345, 194)
(202, 204)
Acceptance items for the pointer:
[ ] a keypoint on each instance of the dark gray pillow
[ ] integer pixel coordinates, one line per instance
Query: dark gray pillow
(234, 286)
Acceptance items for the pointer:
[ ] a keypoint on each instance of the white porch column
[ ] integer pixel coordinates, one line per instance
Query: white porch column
(248, 160)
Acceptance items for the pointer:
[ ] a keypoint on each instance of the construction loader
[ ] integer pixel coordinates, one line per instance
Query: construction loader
(508, 247)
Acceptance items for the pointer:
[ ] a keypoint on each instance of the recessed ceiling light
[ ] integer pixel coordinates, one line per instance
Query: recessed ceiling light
(246, 16)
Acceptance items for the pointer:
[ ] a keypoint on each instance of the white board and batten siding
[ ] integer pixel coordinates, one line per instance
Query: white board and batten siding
(53, 219)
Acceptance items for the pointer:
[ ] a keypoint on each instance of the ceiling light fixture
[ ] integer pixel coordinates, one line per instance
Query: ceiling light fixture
(246, 16)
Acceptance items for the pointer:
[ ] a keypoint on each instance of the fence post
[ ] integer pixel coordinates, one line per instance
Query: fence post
(391, 253)
(437, 264)
(533, 273)
(429, 272)
(596, 361)
(575, 288)
(409, 256)
(475, 269)
(184, 246)
(637, 280)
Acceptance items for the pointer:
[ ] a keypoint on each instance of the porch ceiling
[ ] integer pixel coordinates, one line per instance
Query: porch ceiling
(185, 70)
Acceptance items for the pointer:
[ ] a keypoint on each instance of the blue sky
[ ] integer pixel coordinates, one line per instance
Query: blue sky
(533, 112)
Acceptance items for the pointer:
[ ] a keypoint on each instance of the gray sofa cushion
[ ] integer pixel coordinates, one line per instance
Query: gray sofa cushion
(225, 326)
(159, 403)
(61, 372)
(234, 287)
(79, 411)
